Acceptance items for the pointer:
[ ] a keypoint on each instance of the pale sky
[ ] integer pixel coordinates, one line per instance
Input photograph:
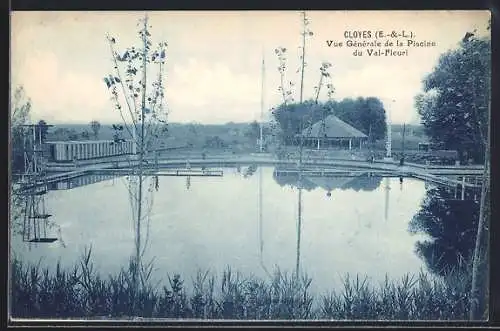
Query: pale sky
(213, 71)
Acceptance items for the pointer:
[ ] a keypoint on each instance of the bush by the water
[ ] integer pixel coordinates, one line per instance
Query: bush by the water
(82, 293)
(433, 157)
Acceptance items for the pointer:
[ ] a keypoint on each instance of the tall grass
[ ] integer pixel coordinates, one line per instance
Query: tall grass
(80, 292)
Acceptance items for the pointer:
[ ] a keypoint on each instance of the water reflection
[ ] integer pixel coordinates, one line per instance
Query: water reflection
(362, 182)
(80, 181)
(220, 222)
(250, 171)
(387, 189)
(451, 224)
(261, 223)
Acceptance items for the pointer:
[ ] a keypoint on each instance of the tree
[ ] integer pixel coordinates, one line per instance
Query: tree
(292, 116)
(95, 127)
(144, 115)
(64, 134)
(286, 93)
(85, 135)
(42, 130)
(20, 111)
(454, 105)
(373, 118)
(214, 142)
(480, 263)
(73, 135)
(192, 133)
(455, 111)
(365, 114)
(347, 110)
(253, 132)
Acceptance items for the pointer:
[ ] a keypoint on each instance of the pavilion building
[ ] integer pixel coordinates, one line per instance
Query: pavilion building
(332, 132)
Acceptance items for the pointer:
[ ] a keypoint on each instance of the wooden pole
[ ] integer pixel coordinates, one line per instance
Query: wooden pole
(262, 103)
(463, 188)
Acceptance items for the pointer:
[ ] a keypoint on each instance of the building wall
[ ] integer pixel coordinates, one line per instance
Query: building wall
(85, 150)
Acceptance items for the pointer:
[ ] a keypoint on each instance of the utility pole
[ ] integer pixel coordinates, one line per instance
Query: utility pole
(403, 145)
(262, 103)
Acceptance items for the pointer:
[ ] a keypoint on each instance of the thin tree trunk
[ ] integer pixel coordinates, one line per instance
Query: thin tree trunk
(303, 58)
(480, 279)
(141, 160)
(299, 220)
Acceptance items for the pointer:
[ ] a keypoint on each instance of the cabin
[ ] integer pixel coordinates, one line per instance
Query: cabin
(332, 132)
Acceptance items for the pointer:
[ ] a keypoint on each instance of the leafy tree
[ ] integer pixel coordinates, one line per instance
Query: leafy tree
(20, 114)
(95, 127)
(454, 105)
(42, 130)
(373, 119)
(85, 135)
(455, 111)
(20, 111)
(253, 132)
(214, 142)
(365, 114)
(72, 135)
(144, 112)
(347, 111)
(292, 116)
(64, 134)
(60, 134)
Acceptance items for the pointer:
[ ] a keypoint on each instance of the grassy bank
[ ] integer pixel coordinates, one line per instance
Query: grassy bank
(80, 292)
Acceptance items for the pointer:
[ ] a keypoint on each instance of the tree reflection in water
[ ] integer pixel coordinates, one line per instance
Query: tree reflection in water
(450, 223)
(363, 182)
(250, 171)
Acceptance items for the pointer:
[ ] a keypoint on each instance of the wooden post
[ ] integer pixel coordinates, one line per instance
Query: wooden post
(350, 144)
(463, 188)
(475, 188)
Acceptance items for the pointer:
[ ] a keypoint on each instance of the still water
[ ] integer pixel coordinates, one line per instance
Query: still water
(209, 223)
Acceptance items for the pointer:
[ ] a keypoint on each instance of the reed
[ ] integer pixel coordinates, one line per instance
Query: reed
(81, 292)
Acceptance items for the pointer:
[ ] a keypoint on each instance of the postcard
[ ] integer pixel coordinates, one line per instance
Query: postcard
(250, 165)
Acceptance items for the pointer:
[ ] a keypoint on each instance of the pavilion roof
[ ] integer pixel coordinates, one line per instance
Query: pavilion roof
(332, 127)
